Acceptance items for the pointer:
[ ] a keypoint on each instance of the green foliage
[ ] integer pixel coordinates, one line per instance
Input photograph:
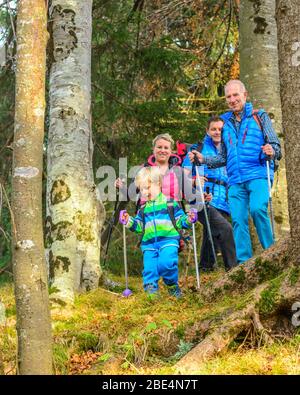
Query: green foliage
(183, 348)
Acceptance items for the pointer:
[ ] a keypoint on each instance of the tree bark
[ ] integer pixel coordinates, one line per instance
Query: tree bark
(259, 72)
(74, 212)
(287, 17)
(29, 265)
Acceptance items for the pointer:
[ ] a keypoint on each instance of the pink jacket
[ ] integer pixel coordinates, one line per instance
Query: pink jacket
(170, 182)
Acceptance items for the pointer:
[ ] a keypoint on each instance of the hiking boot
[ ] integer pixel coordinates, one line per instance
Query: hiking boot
(174, 290)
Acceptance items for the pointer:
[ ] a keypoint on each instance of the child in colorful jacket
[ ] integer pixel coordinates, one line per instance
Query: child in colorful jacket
(160, 239)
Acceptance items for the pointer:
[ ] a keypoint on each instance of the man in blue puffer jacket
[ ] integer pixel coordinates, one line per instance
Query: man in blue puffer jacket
(218, 209)
(248, 139)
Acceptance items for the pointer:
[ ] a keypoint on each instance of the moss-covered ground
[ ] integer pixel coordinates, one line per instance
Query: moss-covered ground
(105, 333)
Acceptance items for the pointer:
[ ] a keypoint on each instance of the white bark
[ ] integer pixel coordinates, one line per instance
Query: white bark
(259, 72)
(73, 214)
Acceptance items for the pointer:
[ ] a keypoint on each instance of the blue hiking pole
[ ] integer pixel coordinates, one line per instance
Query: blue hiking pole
(127, 292)
(270, 198)
(197, 163)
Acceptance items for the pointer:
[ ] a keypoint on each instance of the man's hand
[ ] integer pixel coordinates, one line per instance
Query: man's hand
(207, 197)
(268, 150)
(198, 155)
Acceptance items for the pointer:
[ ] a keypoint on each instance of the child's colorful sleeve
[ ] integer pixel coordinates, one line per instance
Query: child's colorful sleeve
(181, 218)
(135, 224)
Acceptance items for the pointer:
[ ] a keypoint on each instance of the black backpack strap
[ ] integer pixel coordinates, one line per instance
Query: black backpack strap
(170, 207)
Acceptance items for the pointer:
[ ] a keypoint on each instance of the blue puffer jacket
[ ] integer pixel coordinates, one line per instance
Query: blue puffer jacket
(245, 159)
(217, 177)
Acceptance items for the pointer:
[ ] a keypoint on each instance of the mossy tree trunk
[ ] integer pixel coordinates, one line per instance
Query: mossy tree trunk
(287, 17)
(29, 265)
(259, 72)
(74, 212)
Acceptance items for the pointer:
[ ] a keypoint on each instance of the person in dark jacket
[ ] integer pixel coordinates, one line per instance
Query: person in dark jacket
(218, 208)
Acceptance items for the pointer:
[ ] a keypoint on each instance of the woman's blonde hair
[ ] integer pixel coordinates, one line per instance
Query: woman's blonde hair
(164, 136)
(148, 174)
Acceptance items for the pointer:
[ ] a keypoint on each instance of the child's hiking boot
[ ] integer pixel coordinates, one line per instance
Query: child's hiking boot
(152, 292)
(174, 290)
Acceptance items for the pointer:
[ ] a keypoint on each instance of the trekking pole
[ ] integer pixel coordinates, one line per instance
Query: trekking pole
(127, 292)
(197, 163)
(195, 256)
(270, 198)
(111, 225)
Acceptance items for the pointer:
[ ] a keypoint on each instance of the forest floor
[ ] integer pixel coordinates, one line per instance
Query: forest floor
(105, 333)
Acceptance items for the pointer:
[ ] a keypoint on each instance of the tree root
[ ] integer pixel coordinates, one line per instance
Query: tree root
(255, 271)
(268, 300)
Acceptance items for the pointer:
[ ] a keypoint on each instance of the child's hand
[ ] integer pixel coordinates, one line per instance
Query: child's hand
(192, 215)
(207, 197)
(123, 217)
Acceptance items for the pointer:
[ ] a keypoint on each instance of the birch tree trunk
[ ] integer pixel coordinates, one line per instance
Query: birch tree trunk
(29, 265)
(259, 72)
(288, 17)
(74, 213)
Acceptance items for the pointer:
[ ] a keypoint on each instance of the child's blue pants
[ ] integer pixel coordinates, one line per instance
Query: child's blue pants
(160, 262)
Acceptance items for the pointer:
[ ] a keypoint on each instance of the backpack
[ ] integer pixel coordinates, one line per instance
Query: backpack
(170, 206)
(183, 148)
(257, 119)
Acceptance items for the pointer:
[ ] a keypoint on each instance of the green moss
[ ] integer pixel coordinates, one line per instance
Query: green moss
(278, 219)
(294, 275)
(83, 224)
(239, 276)
(48, 232)
(266, 270)
(60, 192)
(59, 231)
(58, 262)
(62, 230)
(269, 297)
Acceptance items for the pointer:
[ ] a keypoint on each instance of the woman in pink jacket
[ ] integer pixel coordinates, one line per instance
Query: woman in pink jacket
(169, 166)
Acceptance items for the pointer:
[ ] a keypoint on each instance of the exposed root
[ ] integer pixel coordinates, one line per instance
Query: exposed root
(256, 271)
(268, 300)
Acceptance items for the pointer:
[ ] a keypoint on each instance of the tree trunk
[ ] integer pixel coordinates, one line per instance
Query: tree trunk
(288, 16)
(30, 276)
(259, 72)
(74, 213)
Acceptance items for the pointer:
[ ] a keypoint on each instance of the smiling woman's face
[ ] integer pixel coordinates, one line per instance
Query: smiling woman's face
(162, 151)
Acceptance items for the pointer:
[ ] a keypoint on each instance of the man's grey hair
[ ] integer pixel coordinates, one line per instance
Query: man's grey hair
(237, 82)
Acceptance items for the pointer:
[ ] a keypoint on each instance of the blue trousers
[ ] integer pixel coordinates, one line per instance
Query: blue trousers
(251, 195)
(160, 262)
